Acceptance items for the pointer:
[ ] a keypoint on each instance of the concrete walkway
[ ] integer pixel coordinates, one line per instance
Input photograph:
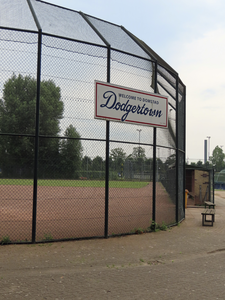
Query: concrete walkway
(186, 262)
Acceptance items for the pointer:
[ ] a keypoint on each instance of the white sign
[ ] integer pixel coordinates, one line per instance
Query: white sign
(117, 103)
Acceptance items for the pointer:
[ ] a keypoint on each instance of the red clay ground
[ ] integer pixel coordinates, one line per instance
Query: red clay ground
(74, 212)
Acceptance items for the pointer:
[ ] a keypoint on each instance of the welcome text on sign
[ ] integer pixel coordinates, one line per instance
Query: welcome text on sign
(112, 103)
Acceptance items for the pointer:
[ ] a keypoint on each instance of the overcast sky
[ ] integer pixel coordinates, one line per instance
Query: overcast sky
(190, 36)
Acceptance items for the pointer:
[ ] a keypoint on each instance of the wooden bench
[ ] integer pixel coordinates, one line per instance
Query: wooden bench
(209, 204)
(208, 212)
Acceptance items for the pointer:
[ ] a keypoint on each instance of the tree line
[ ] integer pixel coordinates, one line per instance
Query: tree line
(215, 161)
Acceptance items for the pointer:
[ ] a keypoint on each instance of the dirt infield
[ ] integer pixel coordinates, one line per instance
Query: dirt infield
(75, 212)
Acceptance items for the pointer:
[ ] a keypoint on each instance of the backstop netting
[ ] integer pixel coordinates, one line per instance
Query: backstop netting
(64, 174)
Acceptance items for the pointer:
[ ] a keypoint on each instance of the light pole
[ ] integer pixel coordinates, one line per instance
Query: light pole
(208, 137)
(139, 130)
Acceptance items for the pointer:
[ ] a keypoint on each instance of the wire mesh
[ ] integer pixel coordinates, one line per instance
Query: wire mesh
(117, 38)
(16, 14)
(165, 186)
(181, 122)
(73, 67)
(130, 192)
(181, 209)
(138, 76)
(18, 66)
(162, 81)
(212, 186)
(18, 56)
(16, 188)
(71, 197)
(61, 22)
(72, 174)
(168, 76)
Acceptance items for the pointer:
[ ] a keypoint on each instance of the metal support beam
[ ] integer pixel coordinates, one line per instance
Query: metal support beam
(184, 99)
(107, 157)
(177, 153)
(34, 218)
(154, 160)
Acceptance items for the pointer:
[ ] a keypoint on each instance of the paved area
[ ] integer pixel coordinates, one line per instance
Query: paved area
(185, 262)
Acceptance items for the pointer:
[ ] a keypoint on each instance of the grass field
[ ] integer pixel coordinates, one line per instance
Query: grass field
(75, 183)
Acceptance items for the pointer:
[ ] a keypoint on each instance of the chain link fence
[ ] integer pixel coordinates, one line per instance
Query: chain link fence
(60, 176)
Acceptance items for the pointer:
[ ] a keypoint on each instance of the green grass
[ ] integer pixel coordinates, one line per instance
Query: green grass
(75, 183)
(5, 240)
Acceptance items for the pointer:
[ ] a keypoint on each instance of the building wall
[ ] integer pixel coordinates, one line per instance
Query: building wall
(197, 184)
(201, 186)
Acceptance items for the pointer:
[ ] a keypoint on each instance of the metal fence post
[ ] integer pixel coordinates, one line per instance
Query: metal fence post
(34, 216)
(107, 157)
(184, 167)
(154, 160)
(177, 154)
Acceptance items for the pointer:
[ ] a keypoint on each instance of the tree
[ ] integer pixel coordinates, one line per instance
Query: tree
(71, 153)
(118, 157)
(139, 158)
(98, 168)
(17, 116)
(98, 164)
(170, 163)
(217, 159)
(138, 152)
(117, 153)
(200, 163)
(207, 164)
(18, 106)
